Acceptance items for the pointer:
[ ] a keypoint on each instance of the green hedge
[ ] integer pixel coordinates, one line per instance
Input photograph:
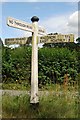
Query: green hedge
(16, 64)
(53, 64)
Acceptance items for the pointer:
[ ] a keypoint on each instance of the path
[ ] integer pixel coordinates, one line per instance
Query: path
(41, 93)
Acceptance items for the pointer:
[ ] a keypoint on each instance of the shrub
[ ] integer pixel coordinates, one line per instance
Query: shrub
(53, 64)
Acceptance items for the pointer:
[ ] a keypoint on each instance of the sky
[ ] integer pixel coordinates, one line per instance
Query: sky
(60, 17)
(39, 0)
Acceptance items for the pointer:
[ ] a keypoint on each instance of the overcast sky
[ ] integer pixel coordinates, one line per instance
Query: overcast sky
(61, 17)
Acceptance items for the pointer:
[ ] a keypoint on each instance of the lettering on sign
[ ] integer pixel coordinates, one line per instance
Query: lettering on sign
(19, 24)
(10, 41)
(41, 31)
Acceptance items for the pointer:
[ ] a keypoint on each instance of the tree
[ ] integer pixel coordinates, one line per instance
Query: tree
(1, 43)
(78, 39)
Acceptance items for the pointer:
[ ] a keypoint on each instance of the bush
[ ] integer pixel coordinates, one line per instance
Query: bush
(17, 66)
(53, 64)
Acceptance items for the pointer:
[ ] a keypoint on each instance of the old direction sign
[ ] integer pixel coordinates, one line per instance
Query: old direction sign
(35, 29)
(21, 41)
(41, 31)
(12, 22)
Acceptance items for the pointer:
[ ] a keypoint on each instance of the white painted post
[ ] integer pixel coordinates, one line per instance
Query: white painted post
(35, 29)
(34, 69)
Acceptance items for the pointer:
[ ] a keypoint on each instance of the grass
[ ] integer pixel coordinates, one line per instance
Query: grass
(26, 86)
(56, 105)
(16, 86)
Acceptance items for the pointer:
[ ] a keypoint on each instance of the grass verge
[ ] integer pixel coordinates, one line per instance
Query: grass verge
(63, 105)
(15, 86)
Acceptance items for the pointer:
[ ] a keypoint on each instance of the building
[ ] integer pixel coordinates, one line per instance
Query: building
(54, 38)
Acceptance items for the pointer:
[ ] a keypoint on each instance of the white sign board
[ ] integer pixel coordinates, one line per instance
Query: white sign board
(41, 31)
(19, 24)
(12, 22)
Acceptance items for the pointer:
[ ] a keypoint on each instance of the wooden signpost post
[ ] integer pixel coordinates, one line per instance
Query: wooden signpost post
(34, 67)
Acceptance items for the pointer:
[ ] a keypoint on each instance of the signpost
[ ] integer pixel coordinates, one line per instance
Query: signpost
(34, 63)
(12, 22)
(34, 69)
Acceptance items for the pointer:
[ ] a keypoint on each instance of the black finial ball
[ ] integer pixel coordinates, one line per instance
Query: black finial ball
(34, 19)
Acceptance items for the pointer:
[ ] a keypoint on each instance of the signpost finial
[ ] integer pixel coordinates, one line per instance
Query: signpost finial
(34, 19)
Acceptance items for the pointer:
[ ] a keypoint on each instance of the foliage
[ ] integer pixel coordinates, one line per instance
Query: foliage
(78, 39)
(1, 42)
(16, 64)
(53, 64)
(71, 46)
